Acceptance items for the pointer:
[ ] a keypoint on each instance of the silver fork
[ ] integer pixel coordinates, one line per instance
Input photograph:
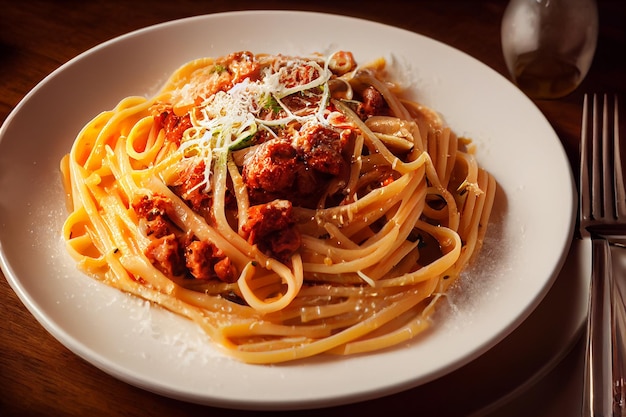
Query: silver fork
(603, 219)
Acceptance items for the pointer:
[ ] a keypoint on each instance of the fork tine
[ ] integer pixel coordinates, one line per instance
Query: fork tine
(608, 163)
(596, 163)
(585, 205)
(620, 191)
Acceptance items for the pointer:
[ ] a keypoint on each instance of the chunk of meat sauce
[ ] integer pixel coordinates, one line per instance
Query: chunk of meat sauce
(174, 126)
(175, 253)
(320, 148)
(373, 104)
(240, 65)
(205, 260)
(271, 227)
(270, 167)
(189, 187)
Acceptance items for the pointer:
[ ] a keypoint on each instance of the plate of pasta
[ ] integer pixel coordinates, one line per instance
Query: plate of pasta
(242, 209)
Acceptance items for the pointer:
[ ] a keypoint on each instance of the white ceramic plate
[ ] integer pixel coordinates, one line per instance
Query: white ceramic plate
(160, 352)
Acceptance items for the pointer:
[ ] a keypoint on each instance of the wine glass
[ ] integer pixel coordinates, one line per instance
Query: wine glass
(548, 45)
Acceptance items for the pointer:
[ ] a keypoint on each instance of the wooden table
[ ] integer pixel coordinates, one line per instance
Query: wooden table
(39, 376)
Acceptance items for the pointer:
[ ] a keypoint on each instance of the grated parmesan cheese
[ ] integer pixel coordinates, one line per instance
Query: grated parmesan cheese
(228, 119)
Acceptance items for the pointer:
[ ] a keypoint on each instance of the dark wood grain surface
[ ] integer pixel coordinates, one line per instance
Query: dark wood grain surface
(38, 375)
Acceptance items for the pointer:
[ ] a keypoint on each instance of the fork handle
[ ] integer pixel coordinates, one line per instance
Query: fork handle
(599, 397)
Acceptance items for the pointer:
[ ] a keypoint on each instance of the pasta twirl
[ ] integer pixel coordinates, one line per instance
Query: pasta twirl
(290, 206)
